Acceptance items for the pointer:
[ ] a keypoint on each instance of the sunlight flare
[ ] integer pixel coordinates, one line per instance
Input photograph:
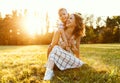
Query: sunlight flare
(32, 25)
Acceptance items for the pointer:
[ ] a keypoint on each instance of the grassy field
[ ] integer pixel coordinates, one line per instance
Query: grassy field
(24, 64)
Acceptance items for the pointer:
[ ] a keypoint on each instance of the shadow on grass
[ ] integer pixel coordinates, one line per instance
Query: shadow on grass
(84, 74)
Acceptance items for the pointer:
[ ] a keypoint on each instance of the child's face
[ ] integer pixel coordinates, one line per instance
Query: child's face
(63, 15)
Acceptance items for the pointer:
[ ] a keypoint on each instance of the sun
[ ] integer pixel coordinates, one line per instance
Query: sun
(32, 25)
(36, 24)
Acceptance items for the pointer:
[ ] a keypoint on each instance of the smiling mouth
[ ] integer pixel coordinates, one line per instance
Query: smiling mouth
(68, 22)
(64, 19)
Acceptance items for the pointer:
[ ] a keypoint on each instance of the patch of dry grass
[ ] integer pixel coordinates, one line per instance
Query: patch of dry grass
(24, 64)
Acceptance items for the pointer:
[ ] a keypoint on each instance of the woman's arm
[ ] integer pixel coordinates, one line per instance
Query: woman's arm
(54, 42)
(75, 48)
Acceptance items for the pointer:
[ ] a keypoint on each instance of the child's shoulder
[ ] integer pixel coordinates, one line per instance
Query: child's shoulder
(61, 30)
(60, 25)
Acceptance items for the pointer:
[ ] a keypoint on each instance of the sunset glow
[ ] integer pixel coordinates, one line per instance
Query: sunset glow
(36, 24)
(32, 25)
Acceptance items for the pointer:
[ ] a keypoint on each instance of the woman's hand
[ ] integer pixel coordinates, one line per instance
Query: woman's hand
(63, 45)
(74, 46)
(68, 48)
(71, 41)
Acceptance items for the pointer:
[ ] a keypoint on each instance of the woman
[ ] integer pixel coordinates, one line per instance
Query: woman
(63, 59)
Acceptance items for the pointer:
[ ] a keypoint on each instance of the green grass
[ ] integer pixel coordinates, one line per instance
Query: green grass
(24, 64)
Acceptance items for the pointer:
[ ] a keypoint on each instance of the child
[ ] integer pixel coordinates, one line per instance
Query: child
(63, 16)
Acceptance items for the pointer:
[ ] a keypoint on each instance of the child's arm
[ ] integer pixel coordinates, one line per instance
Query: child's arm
(63, 36)
(67, 46)
(65, 42)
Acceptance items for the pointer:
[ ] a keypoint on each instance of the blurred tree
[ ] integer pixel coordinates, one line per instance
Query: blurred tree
(12, 30)
(111, 22)
(90, 35)
(25, 12)
(47, 22)
(89, 19)
(116, 34)
(113, 25)
(7, 23)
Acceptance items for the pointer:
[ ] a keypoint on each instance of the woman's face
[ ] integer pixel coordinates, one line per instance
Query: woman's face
(71, 21)
(63, 15)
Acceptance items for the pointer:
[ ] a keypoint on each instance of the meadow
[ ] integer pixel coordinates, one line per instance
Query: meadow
(25, 64)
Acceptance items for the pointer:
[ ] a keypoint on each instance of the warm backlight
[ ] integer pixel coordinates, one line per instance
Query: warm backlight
(32, 25)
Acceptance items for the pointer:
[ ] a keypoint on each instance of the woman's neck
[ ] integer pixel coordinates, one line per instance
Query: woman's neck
(70, 30)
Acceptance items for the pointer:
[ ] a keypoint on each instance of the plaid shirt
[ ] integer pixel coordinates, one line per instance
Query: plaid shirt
(63, 59)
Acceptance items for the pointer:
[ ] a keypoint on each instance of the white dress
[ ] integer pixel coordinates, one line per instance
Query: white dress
(63, 59)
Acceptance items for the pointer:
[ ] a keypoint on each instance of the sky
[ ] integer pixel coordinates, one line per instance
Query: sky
(96, 7)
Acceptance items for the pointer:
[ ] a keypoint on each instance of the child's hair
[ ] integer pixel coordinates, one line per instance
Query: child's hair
(61, 9)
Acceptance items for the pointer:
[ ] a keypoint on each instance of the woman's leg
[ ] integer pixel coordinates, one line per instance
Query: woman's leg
(51, 58)
(49, 70)
(63, 59)
(49, 66)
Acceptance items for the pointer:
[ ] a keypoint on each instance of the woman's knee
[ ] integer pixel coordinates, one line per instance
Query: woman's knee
(55, 48)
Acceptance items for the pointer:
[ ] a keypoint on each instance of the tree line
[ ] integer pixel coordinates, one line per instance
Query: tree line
(13, 33)
(107, 33)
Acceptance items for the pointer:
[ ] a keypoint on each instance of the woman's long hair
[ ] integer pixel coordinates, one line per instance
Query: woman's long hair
(80, 27)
